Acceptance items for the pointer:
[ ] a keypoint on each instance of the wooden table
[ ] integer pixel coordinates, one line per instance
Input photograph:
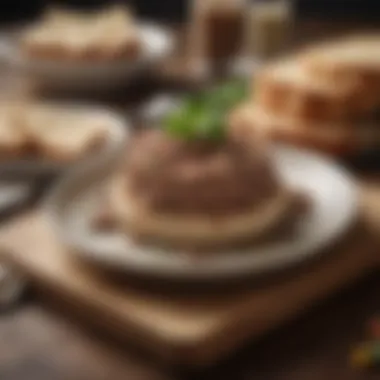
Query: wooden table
(39, 344)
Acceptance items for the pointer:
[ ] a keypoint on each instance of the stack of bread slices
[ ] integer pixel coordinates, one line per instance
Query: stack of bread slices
(324, 97)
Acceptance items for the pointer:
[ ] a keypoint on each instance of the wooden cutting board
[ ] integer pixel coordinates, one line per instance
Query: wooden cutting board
(188, 330)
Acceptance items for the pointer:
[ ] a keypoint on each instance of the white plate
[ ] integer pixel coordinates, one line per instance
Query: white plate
(334, 205)
(157, 44)
(13, 194)
(117, 133)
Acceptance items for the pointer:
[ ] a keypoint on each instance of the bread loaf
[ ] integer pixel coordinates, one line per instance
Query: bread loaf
(251, 120)
(288, 89)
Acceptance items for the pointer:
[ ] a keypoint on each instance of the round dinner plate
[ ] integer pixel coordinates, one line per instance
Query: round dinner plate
(72, 205)
(13, 194)
(157, 43)
(117, 133)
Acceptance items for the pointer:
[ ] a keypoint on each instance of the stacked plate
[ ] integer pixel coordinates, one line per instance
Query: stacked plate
(73, 202)
(157, 43)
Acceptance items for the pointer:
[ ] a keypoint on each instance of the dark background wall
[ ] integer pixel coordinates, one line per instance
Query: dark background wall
(12, 10)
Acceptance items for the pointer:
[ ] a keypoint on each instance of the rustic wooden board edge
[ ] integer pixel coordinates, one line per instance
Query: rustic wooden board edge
(205, 350)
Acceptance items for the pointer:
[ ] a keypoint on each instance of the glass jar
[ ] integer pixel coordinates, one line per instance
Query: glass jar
(218, 28)
(268, 28)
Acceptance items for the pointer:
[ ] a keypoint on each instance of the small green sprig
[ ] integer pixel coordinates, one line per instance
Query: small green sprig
(204, 116)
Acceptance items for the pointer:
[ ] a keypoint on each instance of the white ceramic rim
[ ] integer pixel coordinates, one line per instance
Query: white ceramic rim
(158, 42)
(159, 264)
(118, 132)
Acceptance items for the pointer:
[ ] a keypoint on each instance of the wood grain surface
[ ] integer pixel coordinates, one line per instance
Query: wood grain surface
(188, 330)
(36, 343)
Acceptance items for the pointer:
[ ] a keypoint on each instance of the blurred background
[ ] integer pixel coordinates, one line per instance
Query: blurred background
(175, 10)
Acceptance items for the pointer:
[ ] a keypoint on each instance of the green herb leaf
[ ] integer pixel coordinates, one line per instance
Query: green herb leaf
(203, 117)
(229, 94)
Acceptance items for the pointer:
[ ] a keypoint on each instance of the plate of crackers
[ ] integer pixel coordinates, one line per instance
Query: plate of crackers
(49, 137)
(72, 49)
